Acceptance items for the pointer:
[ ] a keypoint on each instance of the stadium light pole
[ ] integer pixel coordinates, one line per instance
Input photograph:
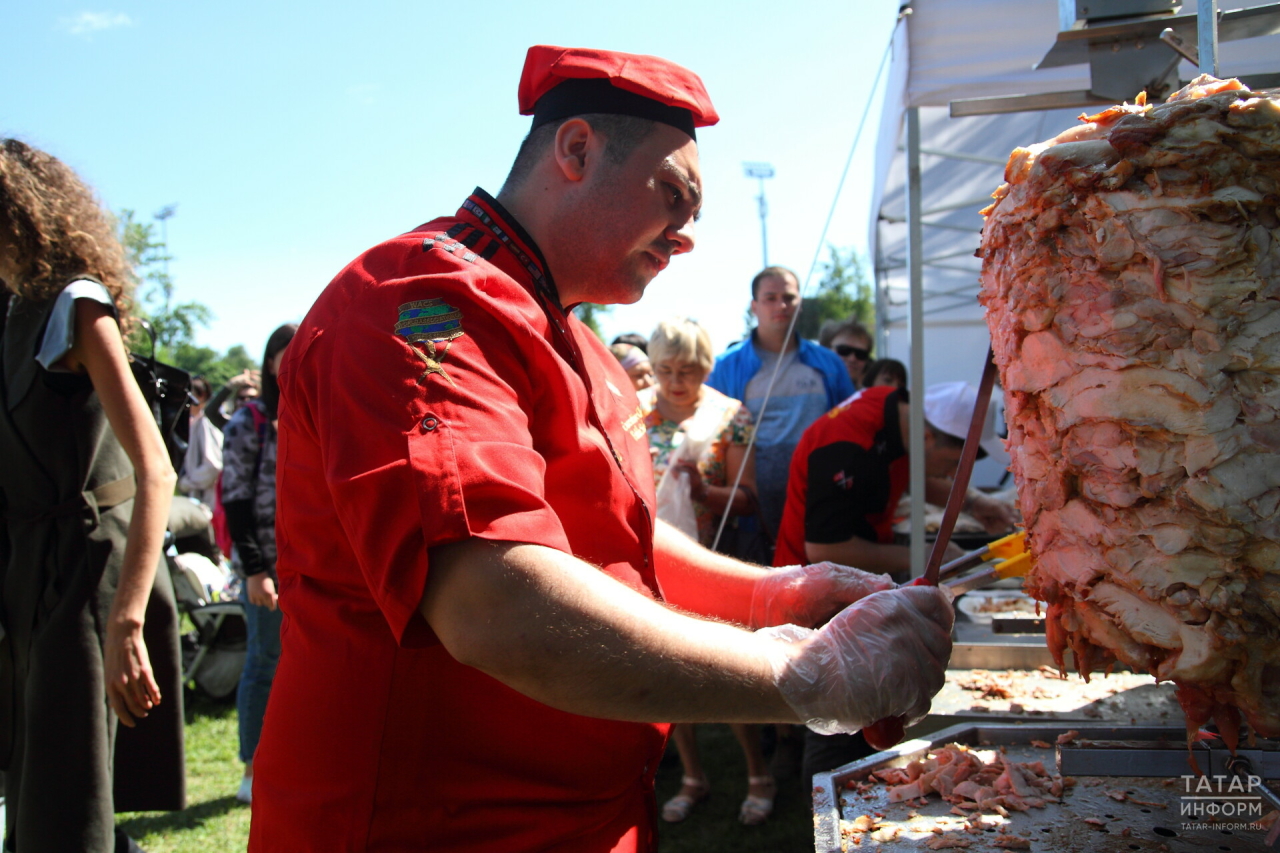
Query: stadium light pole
(760, 171)
(163, 215)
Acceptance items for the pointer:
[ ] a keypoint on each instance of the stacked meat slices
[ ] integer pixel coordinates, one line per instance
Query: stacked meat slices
(1131, 275)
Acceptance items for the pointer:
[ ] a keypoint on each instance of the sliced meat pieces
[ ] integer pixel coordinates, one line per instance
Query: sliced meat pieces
(1131, 276)
(955, 774)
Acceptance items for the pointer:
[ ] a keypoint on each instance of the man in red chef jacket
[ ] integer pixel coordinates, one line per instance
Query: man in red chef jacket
(486, 630)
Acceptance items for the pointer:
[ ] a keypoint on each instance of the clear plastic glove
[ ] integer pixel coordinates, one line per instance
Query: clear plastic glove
(885, 656)
(809, 595)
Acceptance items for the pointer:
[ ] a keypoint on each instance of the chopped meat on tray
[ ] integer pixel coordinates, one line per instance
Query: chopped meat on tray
(959, 776)
(1011, 842)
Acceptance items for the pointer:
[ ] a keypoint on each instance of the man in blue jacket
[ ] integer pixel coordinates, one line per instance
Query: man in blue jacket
(810, 381)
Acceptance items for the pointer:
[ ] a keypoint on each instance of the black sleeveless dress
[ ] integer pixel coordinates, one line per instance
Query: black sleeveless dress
(66, 495)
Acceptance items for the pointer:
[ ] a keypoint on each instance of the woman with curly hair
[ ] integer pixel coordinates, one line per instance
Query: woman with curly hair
(90, 630)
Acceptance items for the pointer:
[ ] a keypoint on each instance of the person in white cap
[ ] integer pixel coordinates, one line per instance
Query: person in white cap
(948, 408)
(848, 474)
(851, 468)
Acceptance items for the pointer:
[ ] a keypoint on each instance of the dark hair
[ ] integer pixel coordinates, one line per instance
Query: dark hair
(636, 339)
(771, 272)
(270, 383)
(200, 389)
(56, 226)
(831, 329)
(622, 135)
(890, 367)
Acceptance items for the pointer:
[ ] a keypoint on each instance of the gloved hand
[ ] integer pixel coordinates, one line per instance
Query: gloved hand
(884, 656)
(809, 595)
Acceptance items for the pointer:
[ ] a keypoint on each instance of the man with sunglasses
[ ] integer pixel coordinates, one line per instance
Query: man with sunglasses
(851, 341)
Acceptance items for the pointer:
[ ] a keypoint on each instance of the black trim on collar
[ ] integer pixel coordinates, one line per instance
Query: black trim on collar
(514, 224)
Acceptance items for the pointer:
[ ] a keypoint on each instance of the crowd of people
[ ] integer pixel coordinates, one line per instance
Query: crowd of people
(837, 486)
(488, 561)
(87, 493)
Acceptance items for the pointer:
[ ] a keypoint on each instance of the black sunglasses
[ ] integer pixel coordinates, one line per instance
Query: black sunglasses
(844, 351)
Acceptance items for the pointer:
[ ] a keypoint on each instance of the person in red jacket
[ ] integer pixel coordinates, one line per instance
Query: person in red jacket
(850, 470)
(486, 631)
(848, 473)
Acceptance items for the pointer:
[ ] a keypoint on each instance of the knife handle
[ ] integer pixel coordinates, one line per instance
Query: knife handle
(886, 733)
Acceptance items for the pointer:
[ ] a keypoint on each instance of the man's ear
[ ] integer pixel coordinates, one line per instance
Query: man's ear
(574, 140)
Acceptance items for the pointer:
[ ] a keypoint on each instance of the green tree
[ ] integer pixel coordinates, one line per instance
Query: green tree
(175, 325)
(590, 313)
(843, 293)
(212, 365)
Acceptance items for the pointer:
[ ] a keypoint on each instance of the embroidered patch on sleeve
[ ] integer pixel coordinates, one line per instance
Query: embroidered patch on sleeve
(430, 322)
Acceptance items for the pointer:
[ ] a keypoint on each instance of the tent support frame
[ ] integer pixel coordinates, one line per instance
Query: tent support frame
(915, 268)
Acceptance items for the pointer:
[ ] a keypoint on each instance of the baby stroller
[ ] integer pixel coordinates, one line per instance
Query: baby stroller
(207, 593)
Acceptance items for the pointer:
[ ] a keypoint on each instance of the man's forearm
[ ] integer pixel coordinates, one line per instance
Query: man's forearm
(560, 631)
(861, 554)
(699, 580)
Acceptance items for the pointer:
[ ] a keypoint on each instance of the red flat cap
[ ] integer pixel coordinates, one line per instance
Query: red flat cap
(559, 82)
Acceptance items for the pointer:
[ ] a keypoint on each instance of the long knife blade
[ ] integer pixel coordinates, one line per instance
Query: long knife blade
(960, 485)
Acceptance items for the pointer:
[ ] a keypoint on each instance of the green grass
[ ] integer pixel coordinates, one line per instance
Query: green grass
(214, 822)
(713, 826)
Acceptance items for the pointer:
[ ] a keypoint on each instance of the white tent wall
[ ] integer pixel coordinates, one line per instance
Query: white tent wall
(954, 49)
(955, 338)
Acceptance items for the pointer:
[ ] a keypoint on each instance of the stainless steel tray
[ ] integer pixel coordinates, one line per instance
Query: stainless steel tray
(1158, 820)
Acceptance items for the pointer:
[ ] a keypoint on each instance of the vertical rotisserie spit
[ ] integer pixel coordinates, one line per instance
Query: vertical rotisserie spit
(1131, 276)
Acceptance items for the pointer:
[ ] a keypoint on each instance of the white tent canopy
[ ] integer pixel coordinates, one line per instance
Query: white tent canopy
(957, 49)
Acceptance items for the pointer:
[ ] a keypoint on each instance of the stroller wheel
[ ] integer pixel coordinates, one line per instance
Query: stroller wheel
(219, 673)
(213, 655)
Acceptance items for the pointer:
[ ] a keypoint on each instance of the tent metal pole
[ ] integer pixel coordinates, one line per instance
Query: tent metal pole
(915, 273)
(882, 299)
(1207, 36)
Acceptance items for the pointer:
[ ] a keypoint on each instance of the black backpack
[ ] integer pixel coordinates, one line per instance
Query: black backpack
(167, 390)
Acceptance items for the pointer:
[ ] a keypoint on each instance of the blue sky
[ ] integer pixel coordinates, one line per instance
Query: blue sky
(294, 136)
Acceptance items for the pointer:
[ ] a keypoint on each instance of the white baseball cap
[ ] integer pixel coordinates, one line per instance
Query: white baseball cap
(949, 407)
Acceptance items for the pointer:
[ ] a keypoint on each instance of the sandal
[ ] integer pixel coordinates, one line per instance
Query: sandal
(756, 810)
(678, 807)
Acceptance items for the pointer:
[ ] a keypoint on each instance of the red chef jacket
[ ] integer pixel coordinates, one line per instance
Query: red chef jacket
(847, 475)
(437, 392)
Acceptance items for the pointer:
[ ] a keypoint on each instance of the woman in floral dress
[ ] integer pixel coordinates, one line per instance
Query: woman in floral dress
(698, 438)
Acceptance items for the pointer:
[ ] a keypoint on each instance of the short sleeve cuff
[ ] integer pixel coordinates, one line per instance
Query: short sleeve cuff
(60, 333)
